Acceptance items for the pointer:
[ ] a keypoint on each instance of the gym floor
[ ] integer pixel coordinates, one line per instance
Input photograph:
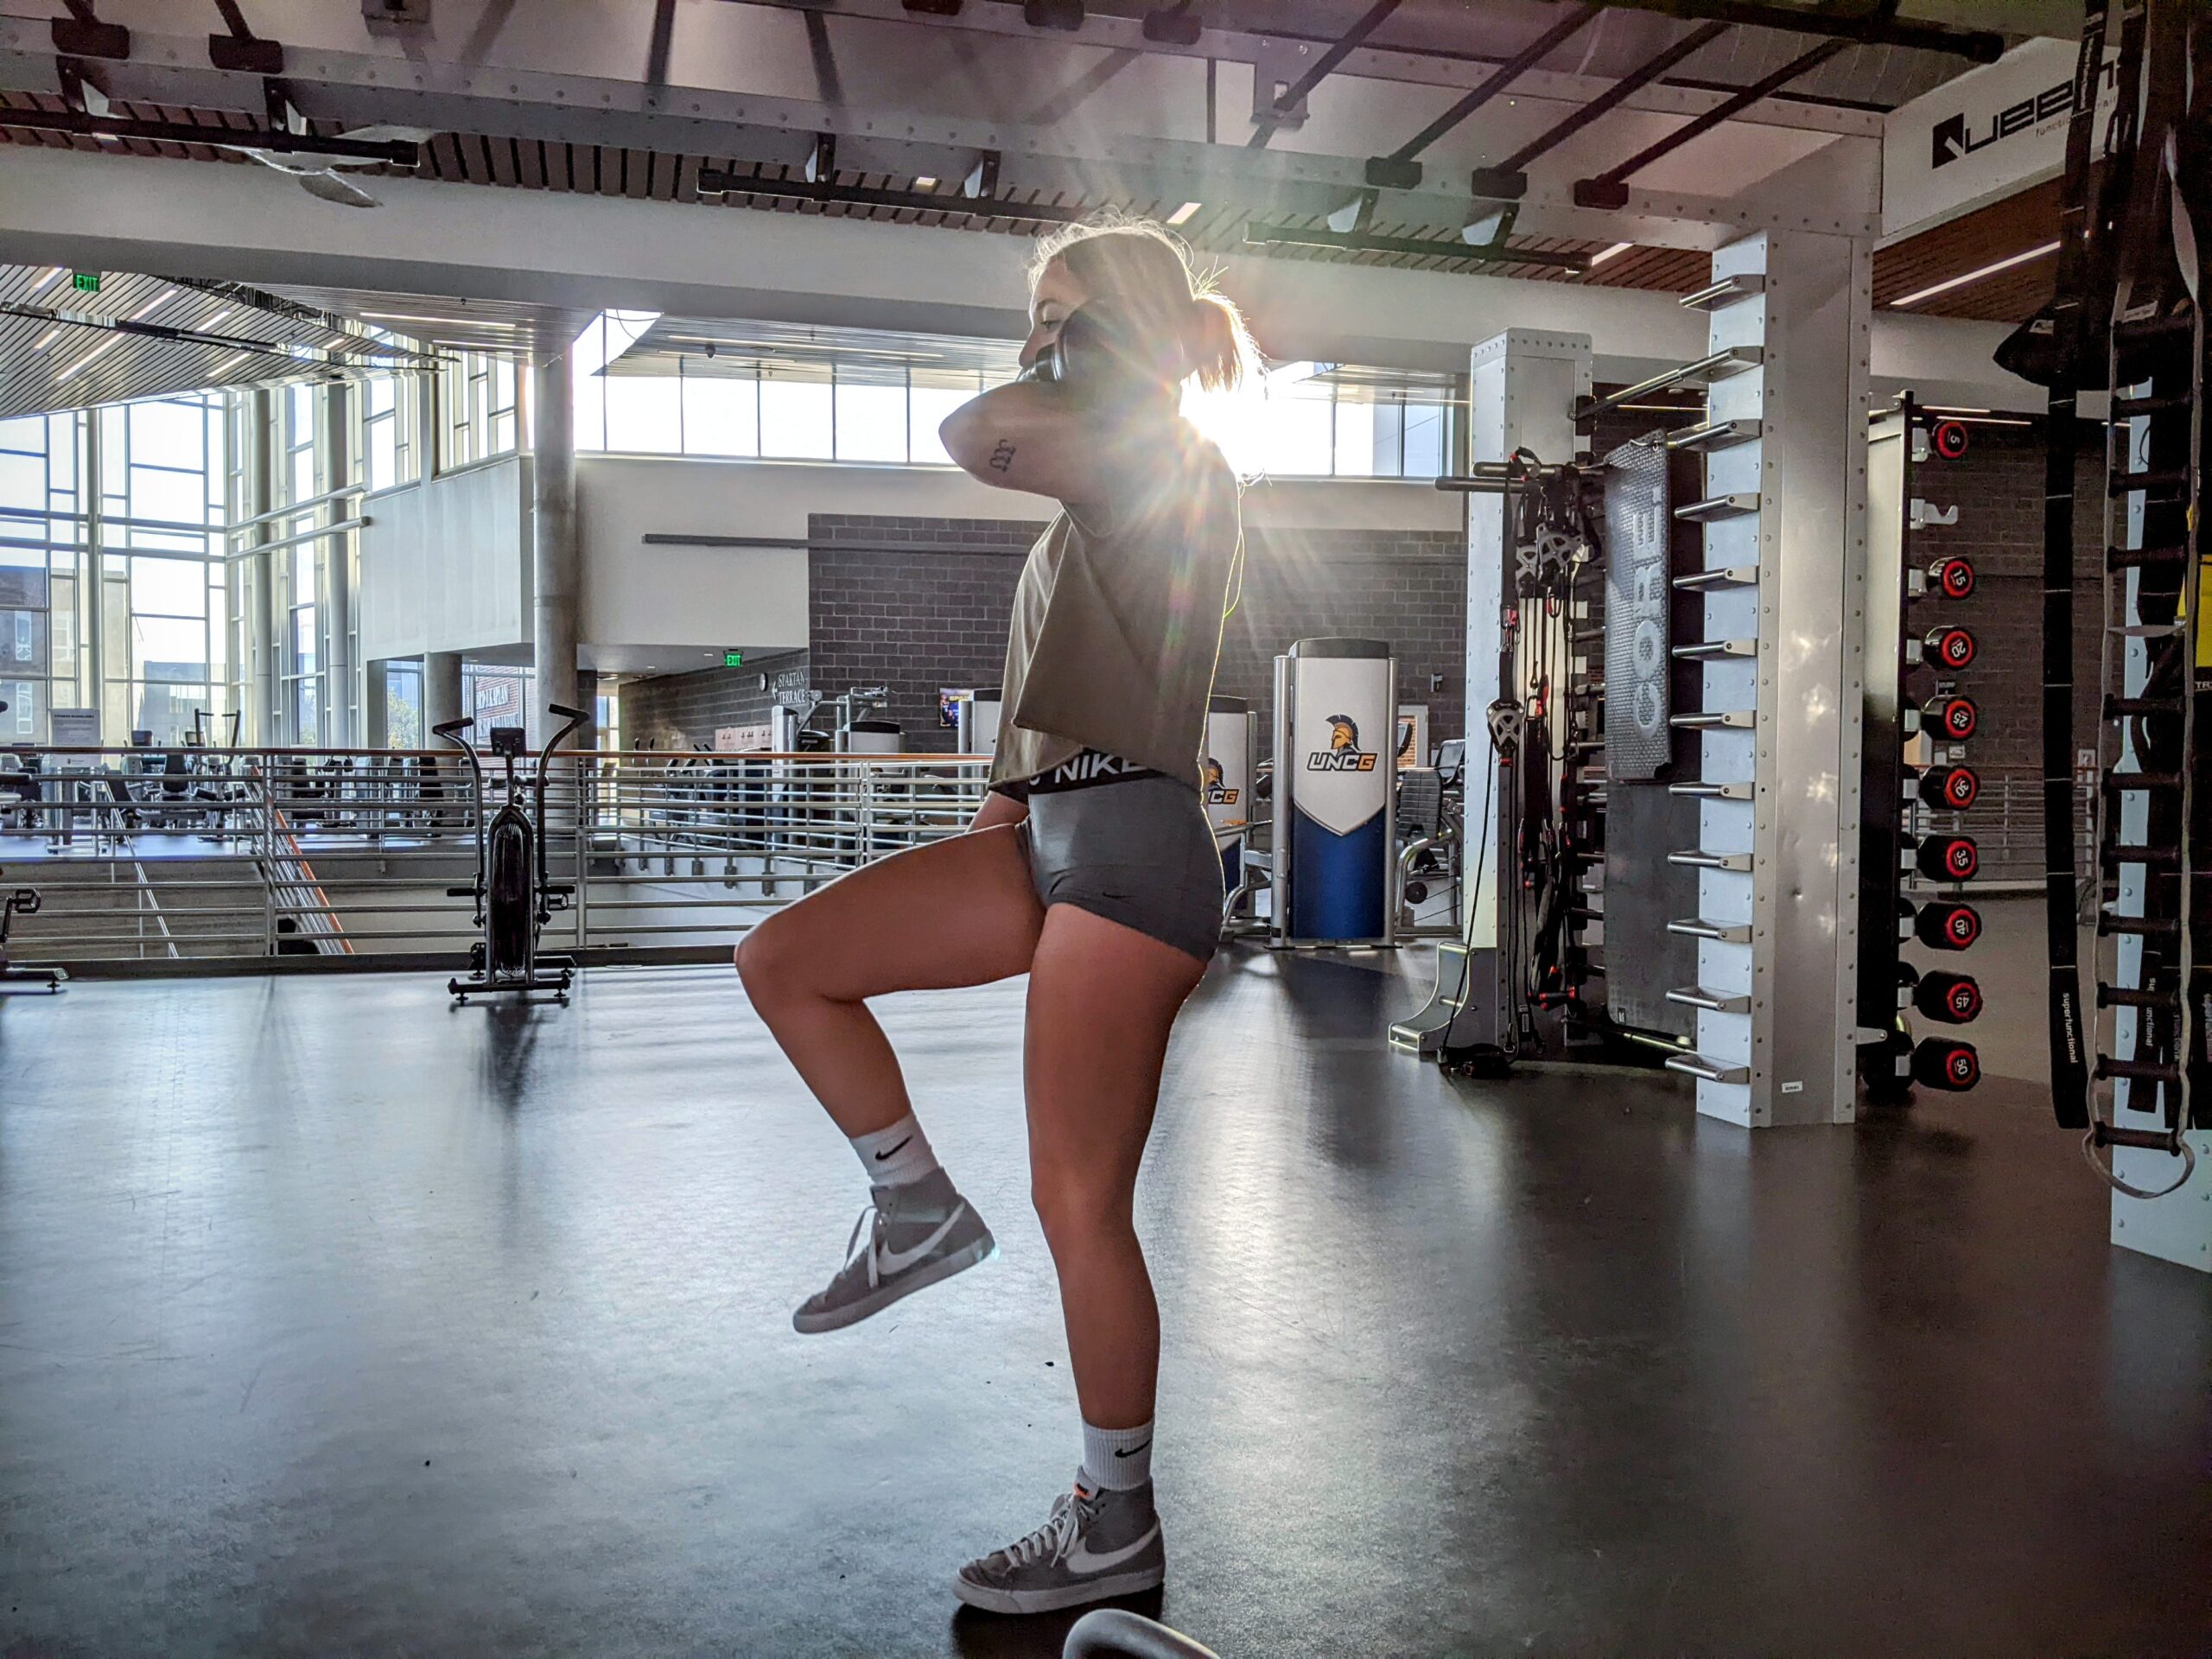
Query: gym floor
(335, 1321)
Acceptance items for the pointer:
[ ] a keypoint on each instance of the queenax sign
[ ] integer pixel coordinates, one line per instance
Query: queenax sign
(1981, 137)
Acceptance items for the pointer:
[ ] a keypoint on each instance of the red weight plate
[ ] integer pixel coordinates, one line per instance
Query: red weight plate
(1953, 647)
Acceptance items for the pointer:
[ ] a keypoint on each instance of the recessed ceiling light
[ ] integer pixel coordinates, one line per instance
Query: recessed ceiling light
(1182, 215)
(925, 182)
(54, 274)
(1950, 283)
(1598, 259)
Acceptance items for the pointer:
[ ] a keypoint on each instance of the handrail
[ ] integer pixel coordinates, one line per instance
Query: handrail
(666, 851)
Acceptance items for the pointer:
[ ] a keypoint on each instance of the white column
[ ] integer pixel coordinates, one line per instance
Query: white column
(555, 560)
(1778, 922)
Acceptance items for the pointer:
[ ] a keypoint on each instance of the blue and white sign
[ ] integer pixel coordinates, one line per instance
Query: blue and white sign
(1227, 780)
(1335, 779)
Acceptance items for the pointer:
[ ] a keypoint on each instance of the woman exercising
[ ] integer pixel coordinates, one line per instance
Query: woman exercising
(1090, 867)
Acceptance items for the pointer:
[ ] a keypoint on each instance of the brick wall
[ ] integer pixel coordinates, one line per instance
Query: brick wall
(920, 604)
(914, 604)
(1407, 588)
(681, 711)
(1997, 487)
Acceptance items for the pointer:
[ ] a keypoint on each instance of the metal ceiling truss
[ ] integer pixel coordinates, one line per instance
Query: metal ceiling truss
(819, 137)
(1858, 25)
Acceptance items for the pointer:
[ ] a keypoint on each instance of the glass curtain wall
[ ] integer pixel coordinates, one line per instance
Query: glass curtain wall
(41, 541)
(481, 413)
(116, 592)
(1298, 423)
(115, 598)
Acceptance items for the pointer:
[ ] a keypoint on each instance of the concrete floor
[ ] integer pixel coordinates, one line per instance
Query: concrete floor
(334, 1321)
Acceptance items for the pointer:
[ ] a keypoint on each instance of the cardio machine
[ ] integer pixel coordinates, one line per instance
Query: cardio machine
(514, 897)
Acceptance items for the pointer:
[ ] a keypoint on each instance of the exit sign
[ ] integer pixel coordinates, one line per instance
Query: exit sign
(733, 659)
(86, 281)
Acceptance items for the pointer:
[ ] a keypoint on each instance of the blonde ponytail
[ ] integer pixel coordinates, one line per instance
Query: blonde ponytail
(1148, 268)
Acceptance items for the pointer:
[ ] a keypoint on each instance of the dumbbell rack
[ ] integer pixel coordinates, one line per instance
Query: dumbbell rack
(1918, 719)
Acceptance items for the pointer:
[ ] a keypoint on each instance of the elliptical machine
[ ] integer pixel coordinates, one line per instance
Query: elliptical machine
(514, 899)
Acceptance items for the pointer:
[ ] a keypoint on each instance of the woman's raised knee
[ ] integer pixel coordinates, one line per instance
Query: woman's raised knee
(765, 962)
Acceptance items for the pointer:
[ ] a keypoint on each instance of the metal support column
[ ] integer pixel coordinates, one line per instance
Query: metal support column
(262, 724)
(441, 698)
(554, 563)
(340, 720)
(1778, 929)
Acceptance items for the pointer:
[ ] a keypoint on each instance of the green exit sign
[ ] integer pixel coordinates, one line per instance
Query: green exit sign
(733, 659)
(86, 281)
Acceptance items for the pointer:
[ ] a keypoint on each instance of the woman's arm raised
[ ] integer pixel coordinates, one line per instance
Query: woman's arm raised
(1032, 437)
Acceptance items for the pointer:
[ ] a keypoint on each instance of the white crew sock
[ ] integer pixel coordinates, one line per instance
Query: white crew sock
(898, 1156)
(1117, 1459)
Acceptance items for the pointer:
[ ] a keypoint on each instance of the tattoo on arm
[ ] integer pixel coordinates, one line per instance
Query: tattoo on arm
(1002, 456)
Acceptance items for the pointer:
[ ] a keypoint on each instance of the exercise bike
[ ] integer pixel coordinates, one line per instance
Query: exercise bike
(514, 899)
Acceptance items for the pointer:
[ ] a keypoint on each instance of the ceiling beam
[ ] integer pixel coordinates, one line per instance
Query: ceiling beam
(1865, 26)
(1266, 41)
(1609, 189)
(1289, 103)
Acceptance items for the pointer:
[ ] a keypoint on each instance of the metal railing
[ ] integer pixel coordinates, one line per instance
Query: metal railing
(204, 854)
(199, 856)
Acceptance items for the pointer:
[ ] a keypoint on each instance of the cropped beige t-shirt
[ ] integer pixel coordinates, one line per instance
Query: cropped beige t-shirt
(1118, 620)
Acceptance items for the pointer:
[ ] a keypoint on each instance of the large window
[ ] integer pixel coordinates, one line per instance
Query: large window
(878, 400)
(39, 539)
(402, 706)
(497, 697)
(164, 642)
(115, 597)
(385, 452)
(480, 411)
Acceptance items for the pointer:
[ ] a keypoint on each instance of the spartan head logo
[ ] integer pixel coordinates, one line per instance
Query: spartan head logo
(1343, 752)
(1212, 773)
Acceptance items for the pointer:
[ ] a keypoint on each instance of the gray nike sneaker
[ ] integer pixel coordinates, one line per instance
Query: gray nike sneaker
(917, 1234)
(1098, 1544)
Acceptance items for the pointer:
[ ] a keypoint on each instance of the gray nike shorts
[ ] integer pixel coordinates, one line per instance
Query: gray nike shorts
(1138, 851)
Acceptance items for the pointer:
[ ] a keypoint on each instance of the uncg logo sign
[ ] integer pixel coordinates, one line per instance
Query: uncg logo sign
(1217, 793)
(1343, 752)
